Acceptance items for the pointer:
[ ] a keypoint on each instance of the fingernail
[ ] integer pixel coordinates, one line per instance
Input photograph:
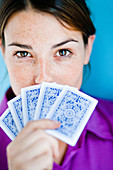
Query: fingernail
(56, 122)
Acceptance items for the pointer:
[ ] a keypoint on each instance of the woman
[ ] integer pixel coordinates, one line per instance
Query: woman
(50, 41)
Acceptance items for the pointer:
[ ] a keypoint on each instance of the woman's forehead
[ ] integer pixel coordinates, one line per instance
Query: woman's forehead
(33, 25)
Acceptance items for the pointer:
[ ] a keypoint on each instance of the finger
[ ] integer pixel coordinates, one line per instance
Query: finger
(35, 125)
(43, 162)
(39, 148)
(32, 139)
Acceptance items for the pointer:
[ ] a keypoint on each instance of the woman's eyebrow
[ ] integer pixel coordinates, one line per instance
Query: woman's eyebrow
(21, 46)
(54, 46)
(64, 42)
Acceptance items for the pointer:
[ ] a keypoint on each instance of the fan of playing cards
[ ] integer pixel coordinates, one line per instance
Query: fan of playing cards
(71, 107)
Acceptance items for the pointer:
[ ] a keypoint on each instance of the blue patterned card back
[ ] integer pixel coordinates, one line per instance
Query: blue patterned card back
(70, 112)
(29, 101)
(8, 124)
(32, 99)
(50, 95)
(15, 106)
(18, 107)
(72, 109)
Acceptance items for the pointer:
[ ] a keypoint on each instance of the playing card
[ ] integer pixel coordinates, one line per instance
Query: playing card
(73, 109)
(8, 125)
(15, 106)
(48, 94)
(29, 101)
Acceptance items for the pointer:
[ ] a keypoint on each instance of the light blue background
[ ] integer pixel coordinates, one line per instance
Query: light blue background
(4, 78)
(100, 82)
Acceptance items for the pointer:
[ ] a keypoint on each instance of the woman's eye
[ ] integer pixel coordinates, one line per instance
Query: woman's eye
(63, 53)
(22, 54)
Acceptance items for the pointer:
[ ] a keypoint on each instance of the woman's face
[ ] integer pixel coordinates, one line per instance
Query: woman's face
(38, 48)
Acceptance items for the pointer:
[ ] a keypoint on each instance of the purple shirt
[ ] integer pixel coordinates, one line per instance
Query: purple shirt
(94, 149)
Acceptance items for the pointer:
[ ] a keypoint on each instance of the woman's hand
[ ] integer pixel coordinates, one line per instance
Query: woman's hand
(33, 148)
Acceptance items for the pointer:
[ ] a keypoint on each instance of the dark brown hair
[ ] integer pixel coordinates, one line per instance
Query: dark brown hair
(73, 12)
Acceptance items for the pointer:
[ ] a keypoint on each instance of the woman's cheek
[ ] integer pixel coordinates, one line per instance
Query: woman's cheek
(69, 73)
(20, 77)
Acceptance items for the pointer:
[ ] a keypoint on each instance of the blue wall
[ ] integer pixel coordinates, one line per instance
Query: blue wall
(100, 82)
(4, 79)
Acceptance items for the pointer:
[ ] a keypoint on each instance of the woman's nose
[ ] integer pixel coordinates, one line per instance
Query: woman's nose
(43, 78)
(43, 73)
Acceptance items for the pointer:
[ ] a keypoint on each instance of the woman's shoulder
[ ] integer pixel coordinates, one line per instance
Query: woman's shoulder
(8, 96)
(4, 139)
(3, 105)
(101, 121)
